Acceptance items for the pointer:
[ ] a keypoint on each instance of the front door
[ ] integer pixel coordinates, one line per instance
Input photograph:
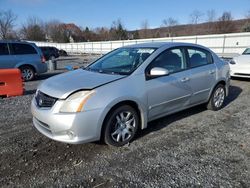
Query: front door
(168, 93)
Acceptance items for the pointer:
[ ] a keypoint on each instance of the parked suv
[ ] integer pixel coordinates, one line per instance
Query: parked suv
(49, 52)
(23, 55)
(122, 91)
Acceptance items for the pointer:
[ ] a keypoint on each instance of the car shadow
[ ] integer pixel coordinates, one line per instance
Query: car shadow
(163, 122)
(234, 92)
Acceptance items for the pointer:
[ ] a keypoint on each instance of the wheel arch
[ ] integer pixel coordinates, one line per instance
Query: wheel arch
(223, 82)
(27, 65)
(133, 104)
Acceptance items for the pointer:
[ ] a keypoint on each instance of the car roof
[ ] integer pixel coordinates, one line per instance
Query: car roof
(16, 41)
(162, 44)
(46, 47)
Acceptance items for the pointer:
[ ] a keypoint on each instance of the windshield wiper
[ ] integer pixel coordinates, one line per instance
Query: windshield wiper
(105, 71)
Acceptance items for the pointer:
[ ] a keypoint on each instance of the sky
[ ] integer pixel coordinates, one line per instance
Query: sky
(99, 13)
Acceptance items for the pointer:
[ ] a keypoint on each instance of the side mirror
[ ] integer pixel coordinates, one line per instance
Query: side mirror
(158, 71)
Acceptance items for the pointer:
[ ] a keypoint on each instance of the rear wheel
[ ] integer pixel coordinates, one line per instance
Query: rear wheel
(121, 126)
(28, 73)
(217, 98)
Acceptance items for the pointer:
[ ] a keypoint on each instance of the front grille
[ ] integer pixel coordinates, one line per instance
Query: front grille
(43, 100)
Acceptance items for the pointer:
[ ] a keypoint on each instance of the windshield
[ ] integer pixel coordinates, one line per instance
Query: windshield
(247, 52)
(121, 61)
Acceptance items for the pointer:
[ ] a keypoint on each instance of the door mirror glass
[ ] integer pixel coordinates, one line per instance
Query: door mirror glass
(158, 71)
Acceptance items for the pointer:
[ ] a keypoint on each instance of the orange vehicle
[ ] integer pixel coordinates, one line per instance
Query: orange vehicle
(11, 82)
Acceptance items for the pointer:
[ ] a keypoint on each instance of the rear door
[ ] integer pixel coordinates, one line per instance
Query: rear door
(6, 60)
(24, 53)
(169, 93)
(202, 72)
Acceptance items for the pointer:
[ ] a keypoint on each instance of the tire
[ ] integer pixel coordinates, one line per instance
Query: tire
(28, 73)
(217, 98)
(121, 126)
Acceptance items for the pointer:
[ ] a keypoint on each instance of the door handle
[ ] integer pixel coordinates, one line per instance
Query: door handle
(211, 72)
(185, 79)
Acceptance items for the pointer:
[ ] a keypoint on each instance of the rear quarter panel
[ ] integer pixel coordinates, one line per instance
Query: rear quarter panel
(223, 72)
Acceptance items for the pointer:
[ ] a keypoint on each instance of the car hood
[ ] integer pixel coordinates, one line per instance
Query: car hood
(242, 59)
(61, 86)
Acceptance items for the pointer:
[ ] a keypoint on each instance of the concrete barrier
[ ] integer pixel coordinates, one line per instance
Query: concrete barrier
(223, 44)
(11, 83)
(52, 65)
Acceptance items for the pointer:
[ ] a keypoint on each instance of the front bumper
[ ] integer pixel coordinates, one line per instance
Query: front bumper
(240, 71)
(73, 128)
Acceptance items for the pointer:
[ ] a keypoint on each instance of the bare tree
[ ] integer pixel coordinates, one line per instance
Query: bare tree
(211, 15)
(118, 31)
(33, 30)
(196, 17)
(246, 26)
(247, 16)
(211, 18)
(144, 32)
(103, 33)
(170, 23)
(7, 19)
(55, 31)
(225, 23)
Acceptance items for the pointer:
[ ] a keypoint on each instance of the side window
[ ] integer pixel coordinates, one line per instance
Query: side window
(4, 49)
(21, 49)
(172, 60)
(198, 57)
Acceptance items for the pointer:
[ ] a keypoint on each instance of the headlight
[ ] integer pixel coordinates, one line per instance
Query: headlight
(76, 102)
(232, 62)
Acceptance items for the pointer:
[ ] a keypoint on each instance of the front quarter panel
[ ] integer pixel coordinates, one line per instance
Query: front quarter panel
(130, 88)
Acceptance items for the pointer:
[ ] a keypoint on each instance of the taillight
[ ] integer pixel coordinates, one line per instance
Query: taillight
(43, 59)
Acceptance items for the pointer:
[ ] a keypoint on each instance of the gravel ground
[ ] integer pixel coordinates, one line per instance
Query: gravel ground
(193, 148)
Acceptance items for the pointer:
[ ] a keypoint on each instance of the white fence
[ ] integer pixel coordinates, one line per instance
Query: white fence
(223, 44)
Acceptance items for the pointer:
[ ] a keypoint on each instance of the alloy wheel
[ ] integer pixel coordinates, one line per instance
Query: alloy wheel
(124, 127)
(219, 96)
(27, 73)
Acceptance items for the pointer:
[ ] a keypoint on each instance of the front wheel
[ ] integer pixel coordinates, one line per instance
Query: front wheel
(121, 126)
(217, 98)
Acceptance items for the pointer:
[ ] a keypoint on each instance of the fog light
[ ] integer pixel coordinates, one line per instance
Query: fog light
(70, 134)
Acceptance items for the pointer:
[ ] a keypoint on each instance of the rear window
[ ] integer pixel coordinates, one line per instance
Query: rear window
(20, 49)
(4, 49)
(199, 57)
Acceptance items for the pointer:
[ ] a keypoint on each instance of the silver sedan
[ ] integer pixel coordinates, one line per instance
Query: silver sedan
(114, 97)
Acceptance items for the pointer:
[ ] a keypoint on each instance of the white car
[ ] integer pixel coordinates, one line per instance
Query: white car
(240, 65)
